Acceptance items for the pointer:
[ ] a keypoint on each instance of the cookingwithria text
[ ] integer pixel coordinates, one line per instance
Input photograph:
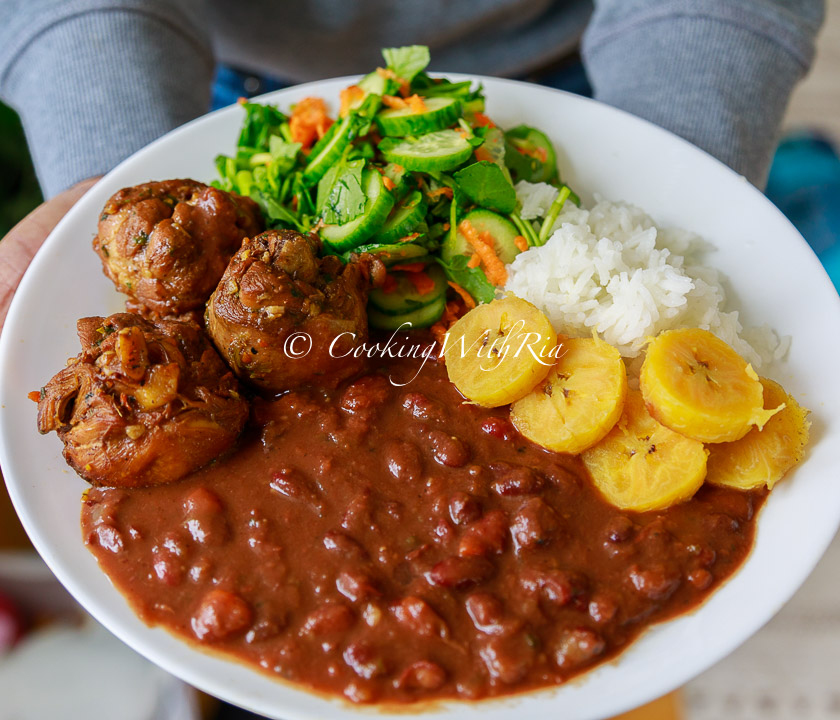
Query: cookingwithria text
(493, 346)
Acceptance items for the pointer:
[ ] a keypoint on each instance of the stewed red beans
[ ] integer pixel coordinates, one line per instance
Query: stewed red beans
(388, 542)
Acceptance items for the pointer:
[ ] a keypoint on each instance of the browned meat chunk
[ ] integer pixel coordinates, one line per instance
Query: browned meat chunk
(166, 244)
(283, 317)
(143, 403)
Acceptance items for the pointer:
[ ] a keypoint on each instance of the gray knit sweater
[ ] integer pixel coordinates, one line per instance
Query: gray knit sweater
(94, 80)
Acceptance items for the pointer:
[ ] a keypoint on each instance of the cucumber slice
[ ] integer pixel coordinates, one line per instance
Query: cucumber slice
(530, 155)
(440, 113)
(374, 83)
(393, 253)
(441, 150)
(420, 318)
(502, 230)
(321, 158)
(404, 181)
(404, 218)
(339, 238)
(405, 298)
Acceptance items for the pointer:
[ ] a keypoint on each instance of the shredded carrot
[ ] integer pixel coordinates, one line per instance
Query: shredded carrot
(521, 243)
(465, 296)
(398, 168)
(481, 120)
(392, 101)
(388, 183)
(482, 154)
(410, 267)
(422, 282)
(483, 246)
(415, 102)
(34, 396)
(350, 96)
(539, 153)
(452, 312)
(391, 75)
(433, 194)
(309, 121)
(409, 237)
(295, 202)
(474, 261)
(446, 227)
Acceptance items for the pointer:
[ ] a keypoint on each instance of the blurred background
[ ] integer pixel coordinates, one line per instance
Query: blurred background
(790, 669)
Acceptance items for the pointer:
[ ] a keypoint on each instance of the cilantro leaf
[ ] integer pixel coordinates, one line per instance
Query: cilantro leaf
(261, 122)
(406, 62)
(340, 196)
(473, 280)
(486, 184)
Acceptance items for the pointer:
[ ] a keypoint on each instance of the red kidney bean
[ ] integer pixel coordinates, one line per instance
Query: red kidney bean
(328, 619)
(264, 630)
(204, 517)
(464, 508)
(499, 428)
(460, 572)
(576, 647)
(620, 529)
(566, 480)
(360, 692)
(416, 615)
(341, 544)
(655, 582)
(448, 450)
(602, 609)
(356, 586)
(221, 614)
(700, 578)
(107, 537)
(365, 661)
(421, 407)
(404, 460)
(365, 394)
(508, 658)
(443, 531)
(488, 614)
(422, 675)
(513, 480)
(294, 485)
(486, 536)
(534, 524)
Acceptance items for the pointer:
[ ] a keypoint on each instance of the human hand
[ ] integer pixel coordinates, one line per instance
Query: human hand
(22, 242)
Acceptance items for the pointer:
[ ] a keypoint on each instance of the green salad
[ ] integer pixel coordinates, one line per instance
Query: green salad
(412, 171)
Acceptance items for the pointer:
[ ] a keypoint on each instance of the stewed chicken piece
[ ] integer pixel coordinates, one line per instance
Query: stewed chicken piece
(144, 403)
(283, 317)
(166, 244)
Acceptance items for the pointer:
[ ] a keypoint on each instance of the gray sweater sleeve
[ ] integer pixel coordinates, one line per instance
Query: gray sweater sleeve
(94, 80)
(717, 73)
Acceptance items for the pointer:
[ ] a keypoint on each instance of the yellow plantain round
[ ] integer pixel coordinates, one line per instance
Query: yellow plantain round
(578, 402)
(696, 384)
(641, 465)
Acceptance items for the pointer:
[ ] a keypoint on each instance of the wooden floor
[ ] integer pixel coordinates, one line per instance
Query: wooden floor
(816, 101)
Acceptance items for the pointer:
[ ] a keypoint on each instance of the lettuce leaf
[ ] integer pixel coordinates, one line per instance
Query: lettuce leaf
(406, 62)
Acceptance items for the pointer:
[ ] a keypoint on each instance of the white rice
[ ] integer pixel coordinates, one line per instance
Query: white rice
(612, 270)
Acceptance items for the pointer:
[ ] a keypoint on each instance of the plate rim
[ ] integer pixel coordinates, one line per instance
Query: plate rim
(151, 651)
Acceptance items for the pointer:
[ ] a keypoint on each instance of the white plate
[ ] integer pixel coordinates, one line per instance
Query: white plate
(776, 279)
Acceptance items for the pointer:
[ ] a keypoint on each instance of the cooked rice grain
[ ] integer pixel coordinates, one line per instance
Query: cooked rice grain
(612, 270)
